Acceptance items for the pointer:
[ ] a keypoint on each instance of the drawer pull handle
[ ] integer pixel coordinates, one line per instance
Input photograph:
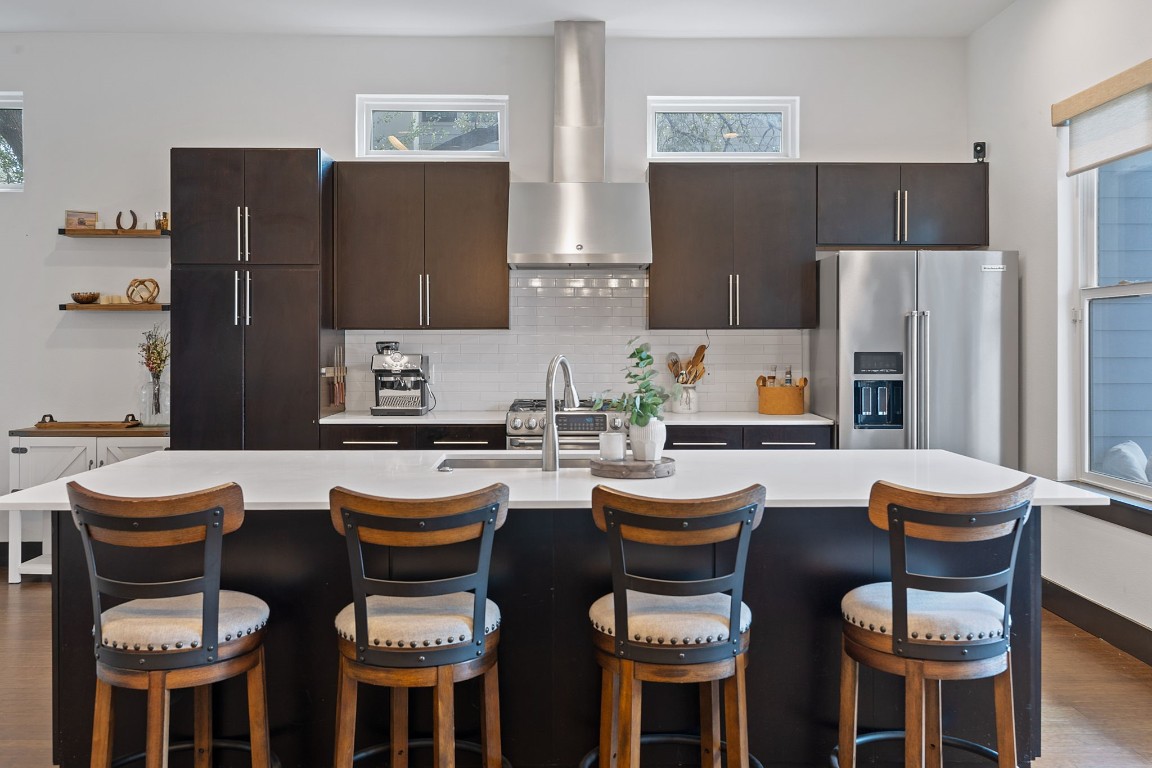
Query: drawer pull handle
(786, 443)
(724, 444)
(460, 442)
(371, 442)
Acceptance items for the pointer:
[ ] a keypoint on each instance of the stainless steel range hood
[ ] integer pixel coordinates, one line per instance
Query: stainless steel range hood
(579, 219)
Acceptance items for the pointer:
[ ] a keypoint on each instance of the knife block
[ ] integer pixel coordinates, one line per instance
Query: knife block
(781, 400)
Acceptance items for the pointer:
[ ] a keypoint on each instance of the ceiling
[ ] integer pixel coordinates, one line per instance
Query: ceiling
(624, 18)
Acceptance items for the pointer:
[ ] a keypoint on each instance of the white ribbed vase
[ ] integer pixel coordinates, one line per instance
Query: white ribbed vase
(647, 441)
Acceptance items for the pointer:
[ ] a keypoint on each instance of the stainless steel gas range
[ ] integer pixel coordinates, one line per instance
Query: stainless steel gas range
(578, 428)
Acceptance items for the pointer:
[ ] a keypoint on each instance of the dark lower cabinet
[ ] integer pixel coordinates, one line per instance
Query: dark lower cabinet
(787, 436)
(245, 358)
(704, 438)
(477, 437)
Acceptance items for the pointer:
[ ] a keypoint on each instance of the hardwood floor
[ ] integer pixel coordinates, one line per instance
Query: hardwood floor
(1097, 701)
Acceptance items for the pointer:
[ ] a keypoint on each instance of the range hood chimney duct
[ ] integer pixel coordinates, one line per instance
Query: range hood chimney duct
(578, 220)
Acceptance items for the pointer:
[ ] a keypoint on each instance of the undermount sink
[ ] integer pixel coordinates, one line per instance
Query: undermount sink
(505, 462)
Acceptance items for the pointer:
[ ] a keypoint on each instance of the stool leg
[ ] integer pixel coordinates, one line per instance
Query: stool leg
(933, 729)
(1005, 717)
(736, 715)
(490, 714)
(202, 725)
(849, 687)
(258, 713)
(156, 741)
(444, 720)
(101, 725)
(710, 724)
(398, 727)
(345, 717)
(628, 717)
(609, 721)
(914, 715)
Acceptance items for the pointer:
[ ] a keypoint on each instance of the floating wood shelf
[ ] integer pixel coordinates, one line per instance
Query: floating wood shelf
(85, 232)
(116, 307)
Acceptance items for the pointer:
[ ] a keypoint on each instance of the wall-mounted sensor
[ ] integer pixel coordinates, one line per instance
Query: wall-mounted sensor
(979, 150)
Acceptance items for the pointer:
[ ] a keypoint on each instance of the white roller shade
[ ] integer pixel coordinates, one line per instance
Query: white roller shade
(1116, 129)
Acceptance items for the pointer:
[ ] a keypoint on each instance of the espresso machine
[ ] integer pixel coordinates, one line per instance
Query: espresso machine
(401, 385)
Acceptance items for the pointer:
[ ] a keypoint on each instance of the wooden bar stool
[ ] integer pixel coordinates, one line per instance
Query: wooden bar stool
(419, 634)
(673, 631)
(166, 634)
(942, 625)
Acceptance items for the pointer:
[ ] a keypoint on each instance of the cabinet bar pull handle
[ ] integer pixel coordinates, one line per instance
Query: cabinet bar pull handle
(724, 444)
(371, 442)
(239, 242)
(786, 443)
(248, 298)
(897, 215)
(247, 231)
(420, 300)
(235, 297)
(729, 299)
(428, 299)
(905, 215)
(737, 299)
(459, 442)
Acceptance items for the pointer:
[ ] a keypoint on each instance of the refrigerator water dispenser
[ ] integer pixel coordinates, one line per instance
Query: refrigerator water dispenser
(878, 404)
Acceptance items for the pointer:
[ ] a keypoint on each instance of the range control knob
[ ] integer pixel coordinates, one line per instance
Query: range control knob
(617, 423)
(517, 423)
(532, 423)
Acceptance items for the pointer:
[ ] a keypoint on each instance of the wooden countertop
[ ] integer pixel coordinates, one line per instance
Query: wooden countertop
(122, 432)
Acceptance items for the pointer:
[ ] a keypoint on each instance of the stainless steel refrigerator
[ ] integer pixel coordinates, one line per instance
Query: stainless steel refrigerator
(920, 349)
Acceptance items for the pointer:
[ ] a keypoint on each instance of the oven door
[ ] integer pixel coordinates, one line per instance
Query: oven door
(567, 443)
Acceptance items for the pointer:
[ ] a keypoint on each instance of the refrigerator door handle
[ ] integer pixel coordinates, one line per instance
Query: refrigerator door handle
(925, 375)
(912, 413)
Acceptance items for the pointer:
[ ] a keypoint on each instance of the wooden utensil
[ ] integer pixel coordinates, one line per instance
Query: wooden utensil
(699, 356)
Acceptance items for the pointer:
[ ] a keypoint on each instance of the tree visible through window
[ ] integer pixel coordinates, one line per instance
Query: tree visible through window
(399, 127)
(751, 128)
(11, 140)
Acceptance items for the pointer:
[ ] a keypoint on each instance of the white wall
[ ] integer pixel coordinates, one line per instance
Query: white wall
(102, 111)
(1036, 53)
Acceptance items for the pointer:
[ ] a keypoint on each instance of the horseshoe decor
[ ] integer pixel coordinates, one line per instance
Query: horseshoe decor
(121, 226)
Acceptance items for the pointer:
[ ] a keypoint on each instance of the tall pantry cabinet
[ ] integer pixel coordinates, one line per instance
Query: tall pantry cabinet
(251, 319)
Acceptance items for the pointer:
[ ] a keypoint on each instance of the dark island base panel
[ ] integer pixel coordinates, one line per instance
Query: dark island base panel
(548, 566)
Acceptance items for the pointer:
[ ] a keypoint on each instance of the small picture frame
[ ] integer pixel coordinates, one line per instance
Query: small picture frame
(80, 219)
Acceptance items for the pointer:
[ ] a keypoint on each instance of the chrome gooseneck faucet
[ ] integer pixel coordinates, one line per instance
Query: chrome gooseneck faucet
(550, 447)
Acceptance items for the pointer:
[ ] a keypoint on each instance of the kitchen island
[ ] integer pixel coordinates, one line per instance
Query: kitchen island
(549, 564)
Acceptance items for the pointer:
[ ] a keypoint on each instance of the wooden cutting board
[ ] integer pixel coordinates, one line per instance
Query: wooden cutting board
(47, 422)
(630, 469)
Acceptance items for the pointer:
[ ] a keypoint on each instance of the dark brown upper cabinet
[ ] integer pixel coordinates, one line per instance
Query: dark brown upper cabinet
(733, 246)
(248, 206)
(910, 204)
(421, 245)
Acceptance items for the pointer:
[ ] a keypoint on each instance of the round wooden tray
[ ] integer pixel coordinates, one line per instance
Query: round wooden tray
(630, 469)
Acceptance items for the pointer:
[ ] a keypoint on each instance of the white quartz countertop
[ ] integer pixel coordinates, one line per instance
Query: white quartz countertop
(702, 418)
(301, 479)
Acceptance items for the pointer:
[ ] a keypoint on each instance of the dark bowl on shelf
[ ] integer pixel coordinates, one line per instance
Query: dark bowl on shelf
(86, 297)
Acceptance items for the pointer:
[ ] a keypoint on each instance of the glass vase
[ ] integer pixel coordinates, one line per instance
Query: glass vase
(155, 402)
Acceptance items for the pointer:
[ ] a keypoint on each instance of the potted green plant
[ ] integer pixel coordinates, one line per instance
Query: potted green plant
(644, 404)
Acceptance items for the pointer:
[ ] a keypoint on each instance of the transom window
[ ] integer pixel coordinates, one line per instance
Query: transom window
(416, 127)
(745, 128)
(11, 140)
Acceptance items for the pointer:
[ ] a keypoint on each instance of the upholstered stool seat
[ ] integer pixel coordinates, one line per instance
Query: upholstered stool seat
(671, 619)
(945, 615)
(418, 622)
(662, 625)
(939, 616)
(172, 623)
(403, 633)
(175, 627)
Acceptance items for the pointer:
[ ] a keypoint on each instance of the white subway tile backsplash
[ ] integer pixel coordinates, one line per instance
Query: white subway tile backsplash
(589, 316)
